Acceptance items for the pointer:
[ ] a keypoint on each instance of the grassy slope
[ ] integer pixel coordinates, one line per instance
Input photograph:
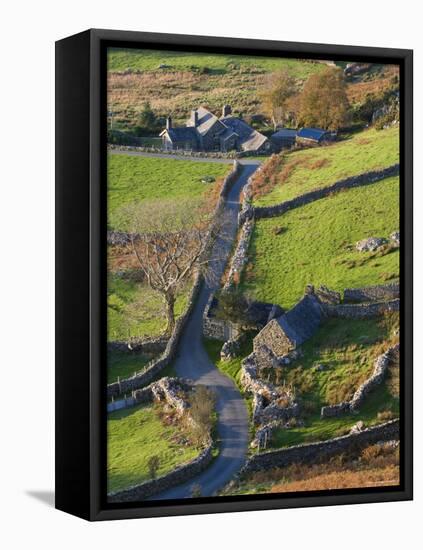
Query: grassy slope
(132, 178)
(237, 80)
(374, 466)
(231, 368)
(348, 350)
(136, 434)
(134, 309)
(318, 245)
(125, 364)
(149, 60)
(322, 166)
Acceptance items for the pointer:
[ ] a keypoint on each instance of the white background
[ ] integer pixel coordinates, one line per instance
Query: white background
(28, 32)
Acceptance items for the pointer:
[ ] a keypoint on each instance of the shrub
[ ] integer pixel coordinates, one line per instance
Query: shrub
(202, 408)
(153, 465)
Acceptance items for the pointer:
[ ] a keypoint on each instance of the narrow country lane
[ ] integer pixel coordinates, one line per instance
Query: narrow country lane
(193, 362)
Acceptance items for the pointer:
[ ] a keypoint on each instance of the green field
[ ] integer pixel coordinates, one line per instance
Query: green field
(310, 169)
(317, 245)
(347, 349)
(125, 364)
(135, 310)
(150, 60)
(135, 178)
(135, 435)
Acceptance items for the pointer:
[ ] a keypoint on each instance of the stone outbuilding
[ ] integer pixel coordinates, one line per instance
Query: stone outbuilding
(285, 333)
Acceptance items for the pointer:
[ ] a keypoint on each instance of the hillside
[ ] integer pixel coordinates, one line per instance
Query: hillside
(298, 172)
(188, 80)
(316, 245)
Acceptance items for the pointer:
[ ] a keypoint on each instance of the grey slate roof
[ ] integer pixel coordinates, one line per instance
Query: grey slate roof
(206, 120)
(311, 133)
(285, 133)
(181, 134)
(302, 321)
(249, 138)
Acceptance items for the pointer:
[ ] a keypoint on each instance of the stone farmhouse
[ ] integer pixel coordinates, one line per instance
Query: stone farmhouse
(204, 131)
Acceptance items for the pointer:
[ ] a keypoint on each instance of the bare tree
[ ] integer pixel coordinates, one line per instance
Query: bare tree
(172, 240)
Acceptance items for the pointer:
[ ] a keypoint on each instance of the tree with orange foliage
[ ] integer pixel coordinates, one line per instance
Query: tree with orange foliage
(324, 103)
(279, 87)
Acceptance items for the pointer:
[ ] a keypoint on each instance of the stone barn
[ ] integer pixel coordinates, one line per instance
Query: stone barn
(285, 333)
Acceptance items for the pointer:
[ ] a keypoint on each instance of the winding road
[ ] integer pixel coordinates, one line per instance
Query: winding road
(193, 362)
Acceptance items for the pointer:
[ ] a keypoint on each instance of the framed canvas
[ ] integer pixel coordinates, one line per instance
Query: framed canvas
(233, 274)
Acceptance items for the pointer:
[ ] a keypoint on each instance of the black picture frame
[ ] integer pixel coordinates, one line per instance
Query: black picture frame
(80, 272)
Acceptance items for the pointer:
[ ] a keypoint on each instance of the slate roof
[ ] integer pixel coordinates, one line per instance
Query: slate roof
(206, 120)
(183, 133)
(249, 138)
(284, 133)
(302, 321)
(315, 134)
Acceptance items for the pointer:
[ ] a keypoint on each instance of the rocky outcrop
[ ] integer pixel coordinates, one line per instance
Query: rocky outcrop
(371, 244)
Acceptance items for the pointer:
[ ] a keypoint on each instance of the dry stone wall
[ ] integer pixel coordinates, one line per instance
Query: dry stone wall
(377, 293)
(380, 369)
(172, 391)
(361, 311)
(151, 370)
(314, 452)
(239, 258)
(348, 183)
(152, 487)
(139, 345)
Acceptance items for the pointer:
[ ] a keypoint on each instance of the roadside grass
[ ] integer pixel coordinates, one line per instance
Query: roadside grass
(373, 466)
(231, 368)
(132, 178)
(309, 169)
(317, 245)
(120, 59)
(135, 310)
(134, 436)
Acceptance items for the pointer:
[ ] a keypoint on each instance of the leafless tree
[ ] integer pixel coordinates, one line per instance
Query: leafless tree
(172, 240)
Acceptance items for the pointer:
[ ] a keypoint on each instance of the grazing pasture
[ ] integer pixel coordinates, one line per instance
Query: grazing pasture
(315, 244)
(137, 434)
(136, 178)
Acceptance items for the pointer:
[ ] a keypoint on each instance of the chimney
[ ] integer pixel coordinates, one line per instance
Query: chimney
(227, 110)
(168, 123)
(194, 118)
